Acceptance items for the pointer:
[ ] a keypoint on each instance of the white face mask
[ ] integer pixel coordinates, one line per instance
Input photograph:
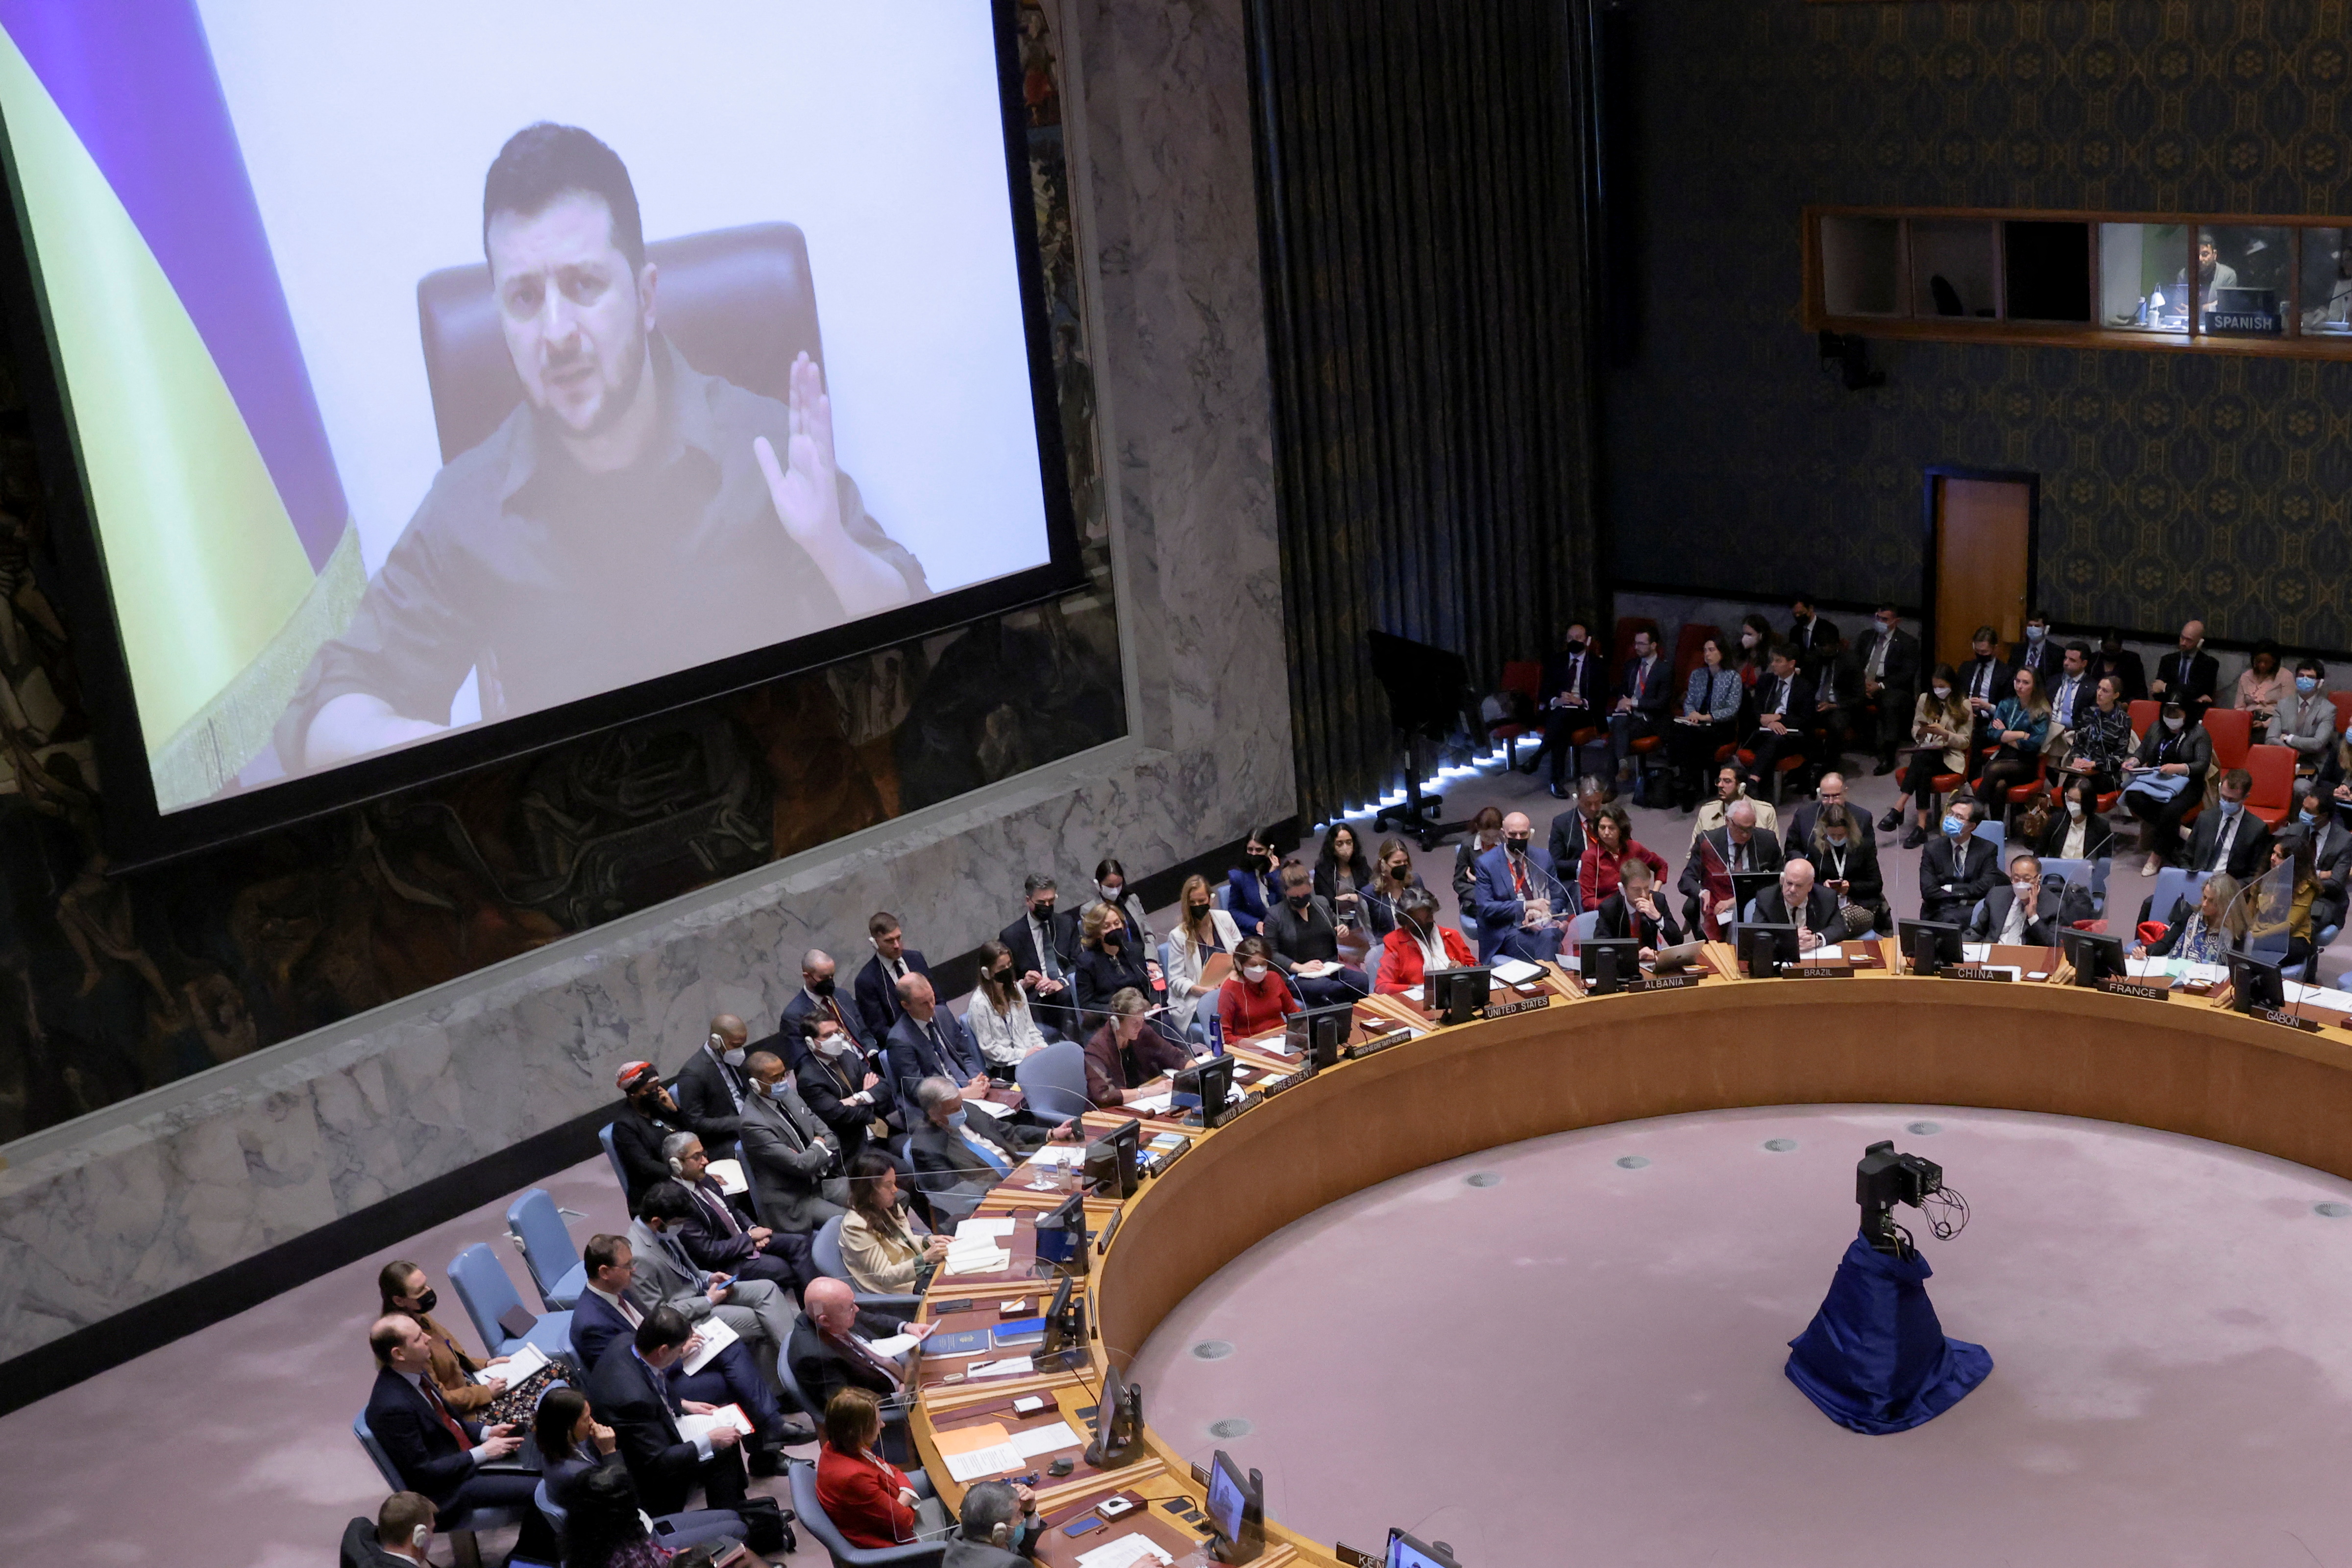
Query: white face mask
(1253, 972)
(1943, 694)
(1747, 640)
(2026, 891)
(833, 1045)
(1110, 891)
(2174, 724)
(733, 1058)
(2073, 808)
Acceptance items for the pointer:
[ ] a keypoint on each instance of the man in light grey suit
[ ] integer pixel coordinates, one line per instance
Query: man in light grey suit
(791, 1161)
(757, 1310)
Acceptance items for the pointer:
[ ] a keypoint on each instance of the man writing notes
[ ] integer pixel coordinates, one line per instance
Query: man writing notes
(577, 549)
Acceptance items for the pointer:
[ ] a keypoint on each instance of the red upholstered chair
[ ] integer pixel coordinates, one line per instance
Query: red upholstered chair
(1780, 769)
(2272, 797)
(2143, 714)
(2233, 731)
(1687, 657)
(2343, 701)
(1623, 640)
(1524, 676)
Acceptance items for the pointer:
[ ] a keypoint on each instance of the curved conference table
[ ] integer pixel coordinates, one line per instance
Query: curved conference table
(2182, 1064)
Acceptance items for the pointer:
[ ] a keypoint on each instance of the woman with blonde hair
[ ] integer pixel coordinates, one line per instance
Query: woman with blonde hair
(1203, 932)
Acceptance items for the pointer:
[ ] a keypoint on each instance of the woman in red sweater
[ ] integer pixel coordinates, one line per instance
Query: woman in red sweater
(870, 1499)
(1612, 845)
(1419, 943)
(1255, 997)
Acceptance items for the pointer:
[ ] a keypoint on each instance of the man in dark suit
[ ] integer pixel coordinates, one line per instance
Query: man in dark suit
(1044, 942)
(2039, 652)
(397, 1537)
(2331, 839)
(1784, 707)
(442, 1458)
(630, 1391)
(1889, 659)
(1254, 887)
(2187, 674)
(1956, 868)
(829, 1352)
(790, 1157)
(1736, 846)
(930, 1041)
(722, 1235)
(605, 1313)
(711, 1088)
(1984, 681)
(819, 993)
(2230, 838)
(1634, 911)
(2074, 692)
(1571, 830)
(1645, 701)
(1797, 900)
(647, 1117)
(841, 1088)
(1814, 638)
(958, 1156)
(1568, 705)
(893, 960)
(2021, 912)
(1798, 838)
(1514, 877)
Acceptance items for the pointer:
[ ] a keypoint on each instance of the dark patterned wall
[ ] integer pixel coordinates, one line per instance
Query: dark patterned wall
(2174, 484)
(111, 986)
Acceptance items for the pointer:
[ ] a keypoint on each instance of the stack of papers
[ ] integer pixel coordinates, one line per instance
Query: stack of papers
(1039, 1441)
(2319, 996)
(1975, 952)
(1065, 1155)
(1125, 1551)
(529, 1360)
(1517, 971)
(730, 1177)
(692, 1427)
(716, 1336)
(977, 1247)
(1151, 1105)
(2148, 968)
(1010, 1366)
(972, 1452)
(895, 1346)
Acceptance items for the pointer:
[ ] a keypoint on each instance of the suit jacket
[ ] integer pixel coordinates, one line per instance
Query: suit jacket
(2192, 747)
(1562, 673)
(1797, 839)
(1821, 914)
(637, 1139)
(877, 996)
(2128, 671)
(637, 1402)
(594, 1327)
(716, 1238)
(2051, 915)
(823, 1369)
(2069, 715)
(2000, 677)
(1105, 1071)
(844, 1007)
(1402, 965)
(963, 1554)
(1901, 675)
(1764, 855)
(2306, 724)
(662, 1279)
(2250, 851)
(1812, 641)
(1799, 709)
(1248, 897)
(2192, 677)
(1099, 976)
(706, 1092)
(1494, 897)
(1654, 697)
(946, 1167)
(2045, 661)
(1063, 933)
(2096, 838)
(1865, 883)
(360, 1551)
(1568, 836)
(1617, 920)
(786, 1158)
(914, 1054)
(1974, 872)
(823, 1087)
(410, 1432)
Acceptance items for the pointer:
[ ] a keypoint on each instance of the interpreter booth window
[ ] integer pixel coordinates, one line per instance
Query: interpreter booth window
(2327, 283)
(1862, 266)
(2140, 265)
(1954, 264)
(2244, 279)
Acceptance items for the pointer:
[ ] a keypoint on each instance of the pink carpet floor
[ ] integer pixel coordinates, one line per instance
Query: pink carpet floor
(1582, 1363)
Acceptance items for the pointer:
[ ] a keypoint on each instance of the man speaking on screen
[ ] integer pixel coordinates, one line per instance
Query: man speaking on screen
(631, 518)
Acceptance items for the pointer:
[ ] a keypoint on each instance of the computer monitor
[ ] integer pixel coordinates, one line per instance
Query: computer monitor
(2096, 955)
(1127, 1138)
(1062, 1235)
(1404, 1552)
(1207, 1085)
(1746, 887)
(1763, 949)
(1119, 1421)
(1608, 961)
(1929, 944)
(1065, 1326)
(1319, 1033)
(1100, 1171)
(1456, 994)
(2256, 982)
(1236, 1509)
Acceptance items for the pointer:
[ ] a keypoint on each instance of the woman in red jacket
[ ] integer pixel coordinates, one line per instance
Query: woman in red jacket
(1255, 997)
(870, 1499)
(1419, 943)
(1612, 845)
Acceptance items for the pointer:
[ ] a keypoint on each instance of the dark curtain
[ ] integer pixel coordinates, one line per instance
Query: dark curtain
(1424, 176)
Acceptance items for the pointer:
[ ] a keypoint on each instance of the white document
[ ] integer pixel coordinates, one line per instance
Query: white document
(1517, 971)
(995, 1228)
(1150, 1104)
(988, 1108)
(693, 1426)
(988, 1261)
(1053, 1157)
(1125, 1551)
(1041, 1440)
(519, 1366)
(2214, 973)
(1241, 1073)
(2319, 996)
(975, 1463)
(1975, 952)
(716, 1337)
(1010, 1366)
(730, 1177)
(895, 1346)
(2148, 968)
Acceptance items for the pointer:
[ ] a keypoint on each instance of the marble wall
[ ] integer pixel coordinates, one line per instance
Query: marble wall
(102, 1214)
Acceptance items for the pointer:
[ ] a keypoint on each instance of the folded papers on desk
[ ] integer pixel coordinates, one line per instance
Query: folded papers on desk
(1125, 1552)
(1517, 971)
(976, 1248)
(988, 1108)
(898, 1345)
(972, 1452)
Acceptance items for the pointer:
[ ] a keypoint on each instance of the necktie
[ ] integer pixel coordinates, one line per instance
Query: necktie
(1047, 958)
(863, 1354)
(833, 1008)
(431, 1392)
(716, 1206)
(1519, 876)
(939, 1049)
(994, 1161)
(1984, 678)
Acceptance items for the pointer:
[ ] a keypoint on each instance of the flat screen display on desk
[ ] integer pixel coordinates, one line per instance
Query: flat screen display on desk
(1404, 1552)
(431, 383)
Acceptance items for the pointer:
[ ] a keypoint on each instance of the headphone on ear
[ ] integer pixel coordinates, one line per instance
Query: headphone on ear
(420, 1537)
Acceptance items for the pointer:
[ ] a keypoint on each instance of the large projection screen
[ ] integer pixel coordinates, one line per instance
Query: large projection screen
(440, 381)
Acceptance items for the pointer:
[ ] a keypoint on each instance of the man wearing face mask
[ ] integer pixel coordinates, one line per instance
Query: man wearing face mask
(2021, 911)
(1956, 868)
(710, 1085)
(645, 1118)
(841, 1090)
(397, 1537)
(1420, 945)
(2306, 721)
(1304, 936)
(819, 994)
(1519, 898)
(2166, 780)
(893, 960)
(2114, 658)
(2230, 838)
(2039, 652)
(1569, 706)
(2316, 811)
(958, 1156)
(1044, 943)
(790, 1157)
(1889, 657)
(997, 1527)
(1984, 681)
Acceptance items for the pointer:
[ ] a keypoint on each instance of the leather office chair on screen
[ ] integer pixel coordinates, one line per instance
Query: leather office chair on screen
(737, 302)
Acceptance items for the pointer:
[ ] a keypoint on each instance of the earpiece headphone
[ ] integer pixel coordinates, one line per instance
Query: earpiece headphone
(420, 1537)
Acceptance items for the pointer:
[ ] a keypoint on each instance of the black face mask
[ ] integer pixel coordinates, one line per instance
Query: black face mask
(1575, 646)
(430, 1299)
(1045, 912)
(1004, 976)
(820, 987)
(1516, 846)
(1198, 911)
(1301, 900)
(1114, 939)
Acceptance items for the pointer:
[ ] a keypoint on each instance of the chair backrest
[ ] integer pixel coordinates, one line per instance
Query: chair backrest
(1053, 1080)
(2173, 884)
(2343, 701)
(1621, 644)
(549, 1509)
(383, 1465)
(2231, 730)
(1687, 655)
(1993, 833)
(1524, 676)
(483, 1285)
(1583, 926)
(824, 1250)
(2272, 794)
(538, 1233)
(2099, 869)
(737, 302)
(2074, 872)
(620, 1174)
(2143, 713)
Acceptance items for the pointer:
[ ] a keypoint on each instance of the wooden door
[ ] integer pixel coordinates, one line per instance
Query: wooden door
(1983, 536)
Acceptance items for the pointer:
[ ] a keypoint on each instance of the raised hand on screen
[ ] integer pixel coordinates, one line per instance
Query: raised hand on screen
(806, 488)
